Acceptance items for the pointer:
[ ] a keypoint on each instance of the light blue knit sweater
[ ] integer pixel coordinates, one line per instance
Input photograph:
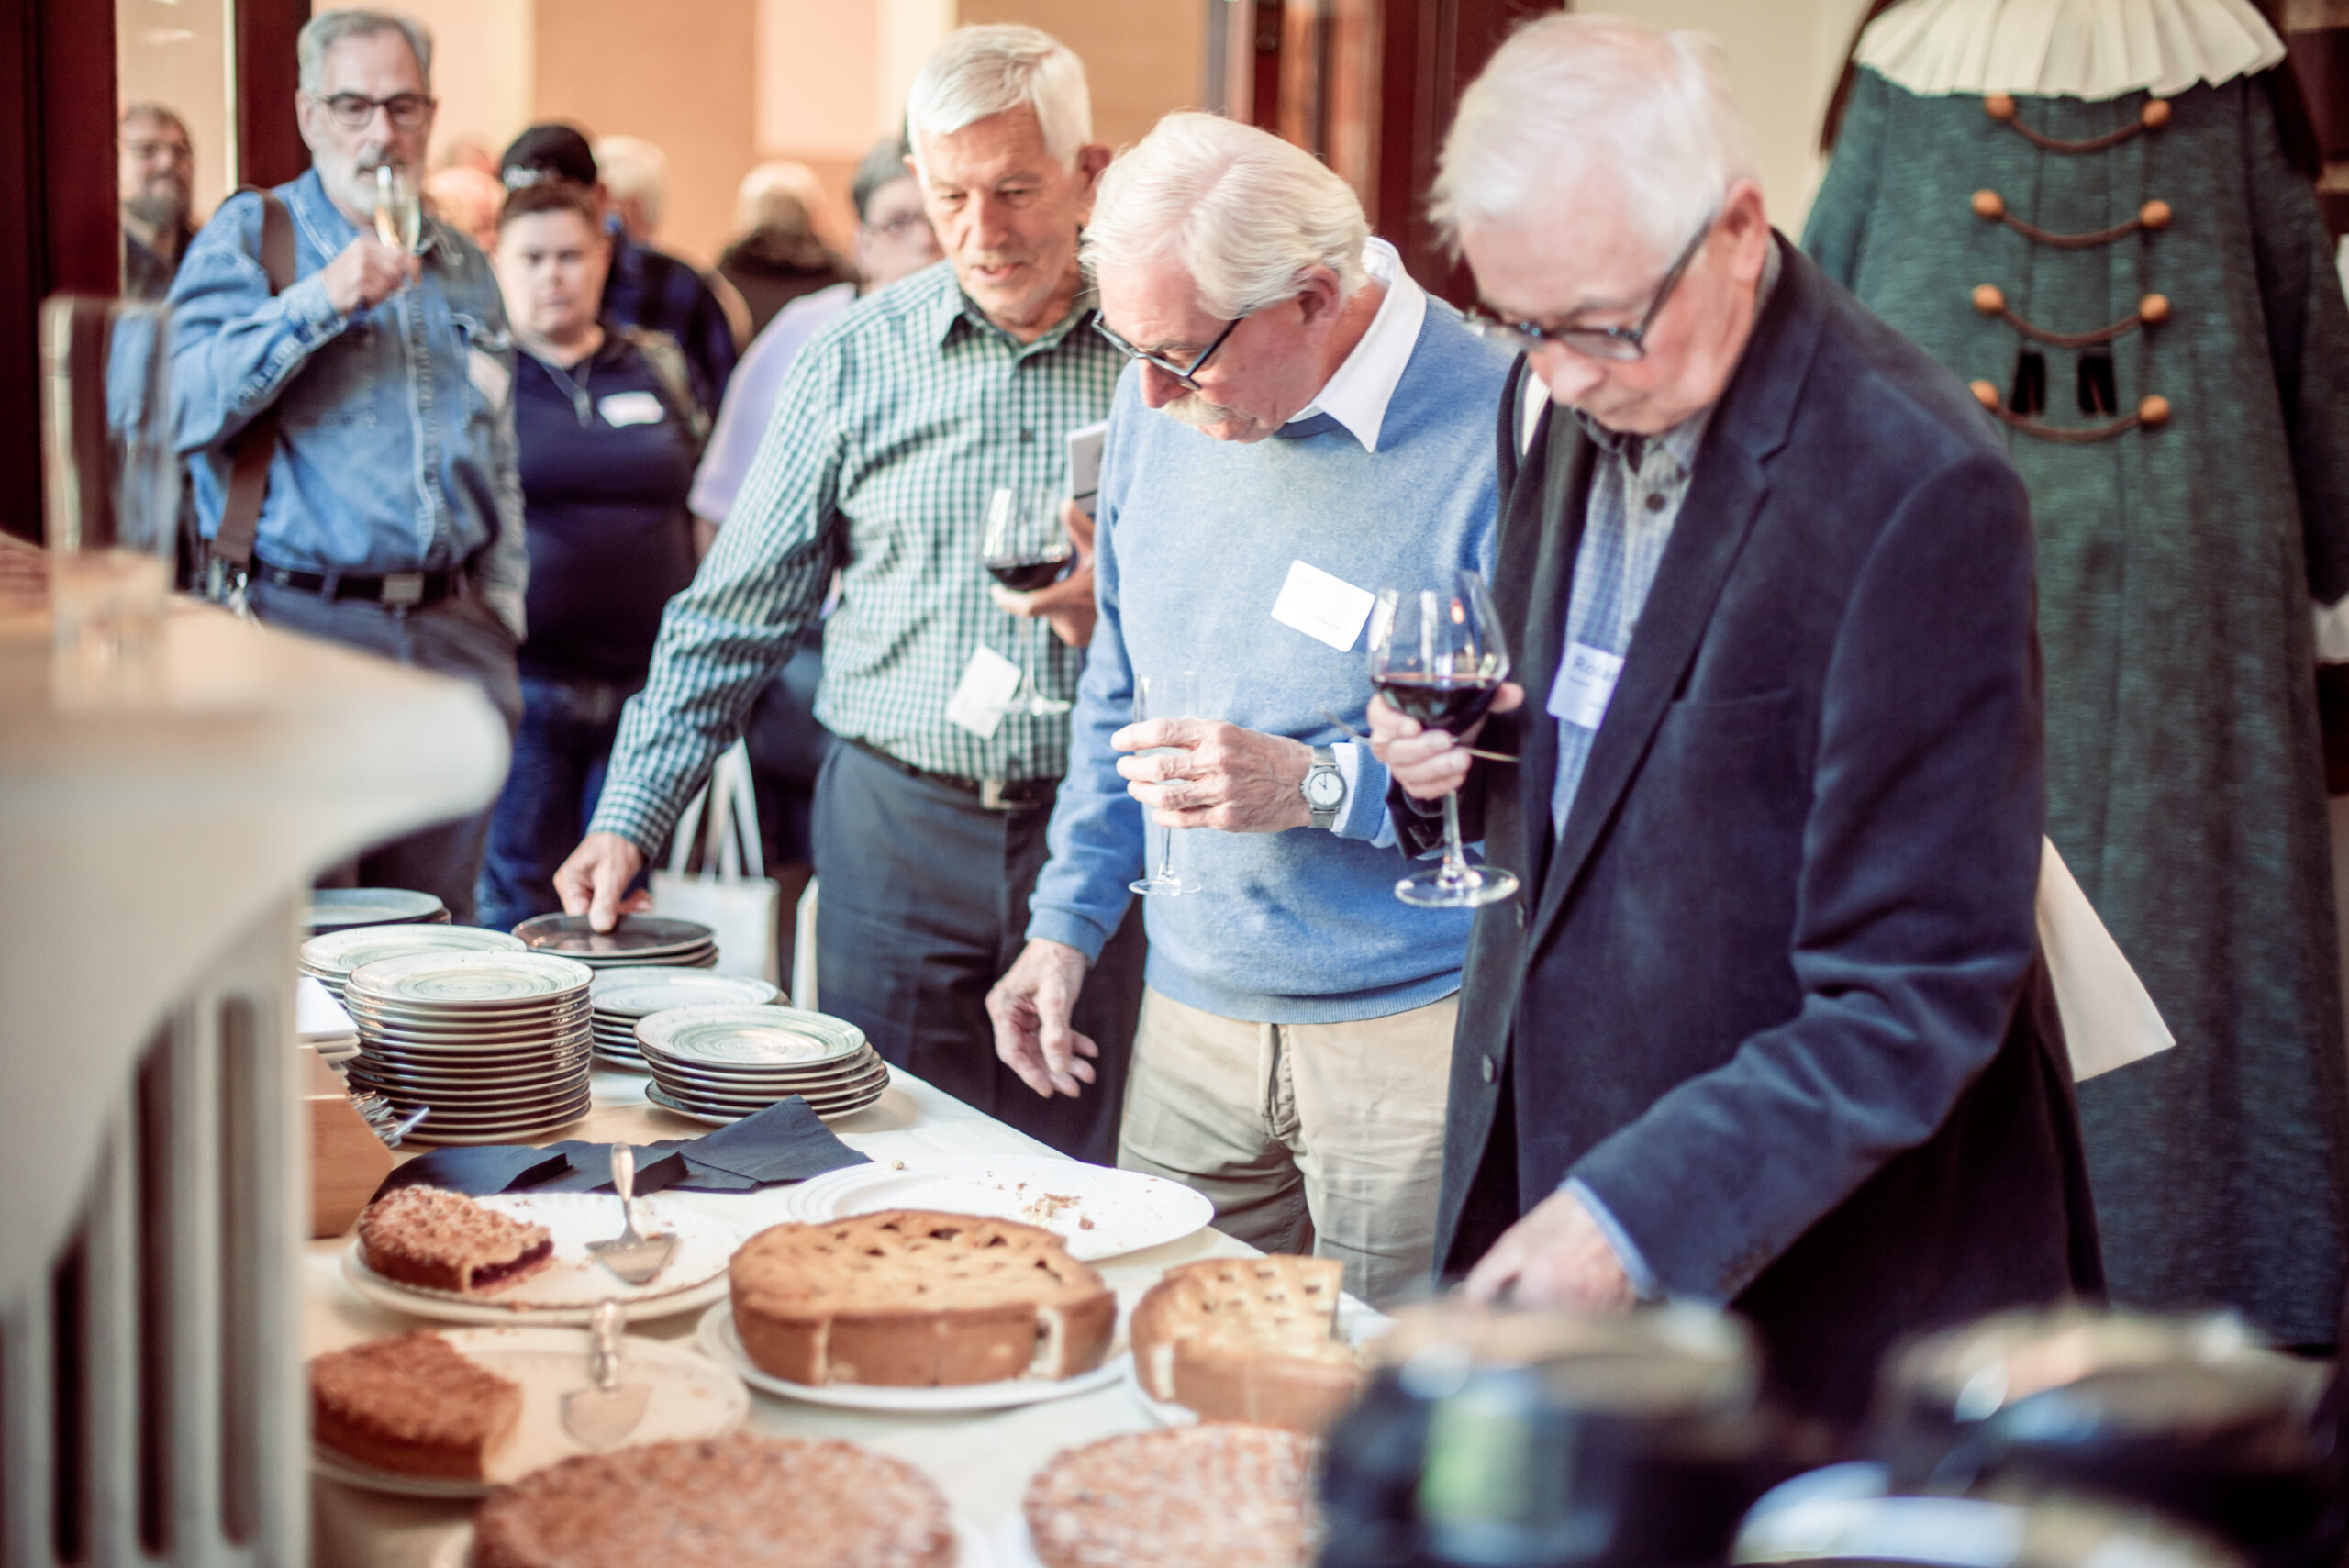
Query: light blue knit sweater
(1197, 539)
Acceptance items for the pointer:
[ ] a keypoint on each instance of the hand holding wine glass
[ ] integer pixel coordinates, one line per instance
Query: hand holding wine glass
(1025, 548)
(1171, 695)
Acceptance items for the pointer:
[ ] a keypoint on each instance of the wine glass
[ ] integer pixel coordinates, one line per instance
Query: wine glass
(399, 208)
(1436, 654)
(1026, 548)
(1163, 696)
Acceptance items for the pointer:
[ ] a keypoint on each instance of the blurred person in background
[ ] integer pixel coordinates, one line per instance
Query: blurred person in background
(391, 521)
(468, 149)
(645, 287)
(787, 745)
(157, 164)
(635, 196)
(779, 257)
(894, 427)
(606, 423)
(467, 199)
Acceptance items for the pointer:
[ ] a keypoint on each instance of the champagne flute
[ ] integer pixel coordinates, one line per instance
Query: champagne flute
(399, 208)
(1163, 696)
(1026, 548)
(1436, 655)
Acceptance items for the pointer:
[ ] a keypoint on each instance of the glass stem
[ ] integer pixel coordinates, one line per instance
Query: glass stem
(1456, 855)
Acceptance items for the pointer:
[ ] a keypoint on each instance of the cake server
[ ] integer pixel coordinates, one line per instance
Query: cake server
(634, 1258)
(606, 1410)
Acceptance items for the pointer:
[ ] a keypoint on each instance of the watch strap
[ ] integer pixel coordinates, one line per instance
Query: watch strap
(1325, 760)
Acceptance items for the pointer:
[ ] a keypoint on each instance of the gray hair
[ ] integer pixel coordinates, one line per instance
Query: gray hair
(1570, 94)
(634, 169)
(1247, 213)
(327, 28)
(985, 71)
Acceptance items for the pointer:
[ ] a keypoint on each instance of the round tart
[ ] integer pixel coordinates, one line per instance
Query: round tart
(1220, 1493)
(735, 1502)
(444, 1240)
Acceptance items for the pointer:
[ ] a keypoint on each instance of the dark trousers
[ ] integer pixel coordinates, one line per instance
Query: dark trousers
(457, 637)
(924, 906)
(560, 755)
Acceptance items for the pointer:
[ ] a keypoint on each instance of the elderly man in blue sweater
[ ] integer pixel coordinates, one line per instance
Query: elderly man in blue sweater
(1302, 426)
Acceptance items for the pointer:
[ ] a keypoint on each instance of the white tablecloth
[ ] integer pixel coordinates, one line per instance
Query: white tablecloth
(982, 1460)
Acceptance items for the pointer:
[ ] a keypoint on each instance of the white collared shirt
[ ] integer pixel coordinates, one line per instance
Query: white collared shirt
(1357, 395)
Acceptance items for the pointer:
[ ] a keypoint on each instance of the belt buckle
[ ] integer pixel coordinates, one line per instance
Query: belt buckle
(991, 795)
(403, 588)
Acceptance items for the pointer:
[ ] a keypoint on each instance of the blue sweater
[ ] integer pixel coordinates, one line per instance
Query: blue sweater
(1197, 539)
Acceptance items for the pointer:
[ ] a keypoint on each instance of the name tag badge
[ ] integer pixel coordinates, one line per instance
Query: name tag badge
(1585, 684)
(1326, 608)
(988, 682)
(489, 376)
(625, 408)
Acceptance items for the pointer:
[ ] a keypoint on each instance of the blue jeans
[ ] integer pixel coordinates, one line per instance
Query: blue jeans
(559, 753)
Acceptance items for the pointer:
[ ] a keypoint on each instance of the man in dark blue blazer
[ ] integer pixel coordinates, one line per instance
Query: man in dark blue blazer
(1763, 1024)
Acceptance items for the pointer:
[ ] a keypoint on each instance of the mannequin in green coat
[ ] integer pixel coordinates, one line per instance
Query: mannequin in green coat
(2138, 284)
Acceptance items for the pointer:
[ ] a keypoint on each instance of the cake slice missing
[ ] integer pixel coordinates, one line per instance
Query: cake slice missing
(1249, 1340)
(414, 1405)
(443, 1241)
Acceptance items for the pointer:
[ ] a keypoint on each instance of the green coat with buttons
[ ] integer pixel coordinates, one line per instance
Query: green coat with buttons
(2189, 479)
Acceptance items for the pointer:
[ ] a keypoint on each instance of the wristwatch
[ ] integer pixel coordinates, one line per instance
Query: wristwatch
(1324, 788)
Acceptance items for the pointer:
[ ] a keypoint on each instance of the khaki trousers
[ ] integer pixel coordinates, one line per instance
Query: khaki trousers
(1321, 1136)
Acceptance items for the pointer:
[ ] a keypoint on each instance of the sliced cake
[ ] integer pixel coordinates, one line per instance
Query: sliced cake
(443, 1241)
(1249, 1340)
(1233, 1495)
(412, 1405)
(911, 1299)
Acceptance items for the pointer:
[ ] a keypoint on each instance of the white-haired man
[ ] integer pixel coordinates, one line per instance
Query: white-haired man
(893, 428)
(1301, 426)
(1764, 1024)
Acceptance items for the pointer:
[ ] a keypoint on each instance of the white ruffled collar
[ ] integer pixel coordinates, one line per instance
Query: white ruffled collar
(2069, 49)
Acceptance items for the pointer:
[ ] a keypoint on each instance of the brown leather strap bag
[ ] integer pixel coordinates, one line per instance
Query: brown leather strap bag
(231, 557)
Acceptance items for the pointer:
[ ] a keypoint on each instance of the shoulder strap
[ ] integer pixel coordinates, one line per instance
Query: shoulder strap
(667, 361)
(232, 546)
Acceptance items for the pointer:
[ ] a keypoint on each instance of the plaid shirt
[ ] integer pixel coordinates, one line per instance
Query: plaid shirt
(890, 432)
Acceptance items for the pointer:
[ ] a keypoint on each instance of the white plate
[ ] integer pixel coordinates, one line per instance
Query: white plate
(720, 1343)
(567, 1289)
(691, 1397)
(721, 1092)
(336, 954)
(1129, 1210)
(856, 1070)
(632, 992)
(727, 1035)
(825, 1112)
(470, 988)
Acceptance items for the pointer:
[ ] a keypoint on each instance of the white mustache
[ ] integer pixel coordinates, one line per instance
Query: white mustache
(1194, 410)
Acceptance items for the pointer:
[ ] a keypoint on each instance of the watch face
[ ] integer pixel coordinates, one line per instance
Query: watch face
(1325, 790)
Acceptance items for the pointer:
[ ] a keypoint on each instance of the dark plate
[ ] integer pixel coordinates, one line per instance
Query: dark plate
(636, 936)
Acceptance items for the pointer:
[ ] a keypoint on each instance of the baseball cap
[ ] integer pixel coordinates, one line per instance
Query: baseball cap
(548, 152)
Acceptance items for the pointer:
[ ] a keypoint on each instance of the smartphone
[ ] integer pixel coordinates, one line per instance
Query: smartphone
(1085, 464)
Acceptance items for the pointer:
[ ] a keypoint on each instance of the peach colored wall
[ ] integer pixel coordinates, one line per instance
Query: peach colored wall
(1142, 58)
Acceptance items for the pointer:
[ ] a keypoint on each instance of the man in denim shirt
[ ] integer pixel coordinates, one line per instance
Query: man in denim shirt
(393, 520)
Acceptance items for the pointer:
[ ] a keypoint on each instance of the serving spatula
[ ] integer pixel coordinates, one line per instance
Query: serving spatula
(634, 1258)
(606, 1410)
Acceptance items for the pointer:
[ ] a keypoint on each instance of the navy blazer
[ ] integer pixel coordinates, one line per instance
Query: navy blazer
(1775, 996)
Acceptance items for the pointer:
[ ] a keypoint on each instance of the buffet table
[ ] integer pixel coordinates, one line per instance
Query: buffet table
(980, 1459)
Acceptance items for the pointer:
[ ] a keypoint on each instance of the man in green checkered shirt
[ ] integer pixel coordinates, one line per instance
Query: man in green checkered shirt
(890, 433)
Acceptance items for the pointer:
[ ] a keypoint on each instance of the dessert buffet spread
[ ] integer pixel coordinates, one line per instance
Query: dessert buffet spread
(1238, 1496)
(1249, 1340)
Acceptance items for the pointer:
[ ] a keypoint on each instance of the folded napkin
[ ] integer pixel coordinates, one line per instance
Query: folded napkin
(785, 1142)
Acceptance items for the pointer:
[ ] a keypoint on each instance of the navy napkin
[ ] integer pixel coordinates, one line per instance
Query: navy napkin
(477, 1172)
(785, 1142)
(658, 1165)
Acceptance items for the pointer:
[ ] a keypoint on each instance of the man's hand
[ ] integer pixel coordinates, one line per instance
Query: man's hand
(1242, 780)
(368, 272)
(1067, 604)
(592, 881)
(1555, 1256)
(1429, 764)
(1031, 1007)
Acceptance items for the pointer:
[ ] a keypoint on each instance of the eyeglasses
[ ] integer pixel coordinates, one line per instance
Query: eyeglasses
(899, 227)
(1622, 344)
(1185, 376)
(354, 111)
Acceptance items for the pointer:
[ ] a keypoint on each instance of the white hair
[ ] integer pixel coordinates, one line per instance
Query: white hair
(1245, 213)
(634, 170)
(327, 28)
(1568, 95)
(985, 71)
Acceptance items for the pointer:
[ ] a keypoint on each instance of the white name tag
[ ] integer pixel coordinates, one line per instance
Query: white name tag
(624, 408)
(490, 378)
(988, 682)
(1586, 685)
(1326, 608)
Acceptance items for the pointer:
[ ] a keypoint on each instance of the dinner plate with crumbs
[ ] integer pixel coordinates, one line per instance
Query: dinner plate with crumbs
(691, 1397)
(567, 1290)
(721, 1344)
(1097, 1212)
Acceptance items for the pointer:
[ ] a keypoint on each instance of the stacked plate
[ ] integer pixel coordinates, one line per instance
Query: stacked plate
(331, 958)
(638, 942)
(334, 909)
(494, 1046)
(621, 996)
(718, 1064)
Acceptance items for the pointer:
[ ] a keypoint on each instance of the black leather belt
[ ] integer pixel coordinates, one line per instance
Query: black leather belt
(395, 589)
(996, 794)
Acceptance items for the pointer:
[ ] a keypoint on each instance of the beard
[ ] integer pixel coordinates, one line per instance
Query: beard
(162, 205)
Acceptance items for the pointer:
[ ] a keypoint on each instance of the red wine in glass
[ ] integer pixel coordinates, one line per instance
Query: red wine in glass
(1026, 576)
(1023, 546)
(1448, 703)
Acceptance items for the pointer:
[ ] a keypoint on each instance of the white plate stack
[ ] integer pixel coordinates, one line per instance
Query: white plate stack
(336, 908)
(497, 1044)
(329, 959)
(718, 1064)
(621, 998)
(638, 942)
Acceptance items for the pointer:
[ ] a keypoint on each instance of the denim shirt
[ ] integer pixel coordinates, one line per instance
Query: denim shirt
(395, 447)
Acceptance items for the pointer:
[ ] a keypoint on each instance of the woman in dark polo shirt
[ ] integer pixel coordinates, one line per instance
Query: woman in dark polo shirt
(608, 437)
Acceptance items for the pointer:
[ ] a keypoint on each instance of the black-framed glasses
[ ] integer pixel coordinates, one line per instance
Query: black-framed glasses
(1185, 376)
(1617, 343)
(352, 111)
